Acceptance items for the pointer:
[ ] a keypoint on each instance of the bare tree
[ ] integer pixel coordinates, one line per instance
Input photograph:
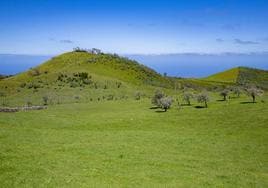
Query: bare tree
(203, 98)
(187, 96)
(156, 98)
(165, 103)
(237, 91)
(224, 93)
(254, 92)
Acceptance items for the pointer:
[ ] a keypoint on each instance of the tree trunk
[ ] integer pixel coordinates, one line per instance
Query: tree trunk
(206, 105)
(253, 98)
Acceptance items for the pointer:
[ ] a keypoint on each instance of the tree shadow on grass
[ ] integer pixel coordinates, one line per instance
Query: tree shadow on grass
(154, 107)
(200, 107)
(160, 111)
(221, 100)
(248, 102)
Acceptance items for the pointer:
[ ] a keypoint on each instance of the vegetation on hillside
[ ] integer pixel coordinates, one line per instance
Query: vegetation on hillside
(243, 76)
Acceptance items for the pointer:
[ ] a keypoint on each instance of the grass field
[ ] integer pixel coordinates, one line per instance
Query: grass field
(127, 144)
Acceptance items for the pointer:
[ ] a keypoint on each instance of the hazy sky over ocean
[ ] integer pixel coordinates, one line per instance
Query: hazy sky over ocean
(206, 29)
(181, 65)
(140, 26)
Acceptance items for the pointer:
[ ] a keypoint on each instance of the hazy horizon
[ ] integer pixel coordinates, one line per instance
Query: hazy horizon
(187, 38)
(179, 65)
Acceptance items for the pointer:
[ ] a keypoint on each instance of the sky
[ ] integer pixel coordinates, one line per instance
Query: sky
(46, 27)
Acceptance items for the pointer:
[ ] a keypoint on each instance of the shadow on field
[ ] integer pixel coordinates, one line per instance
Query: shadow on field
(221, 100)
(160, 111)
(247, 102)
(154, 107)
(199, 107)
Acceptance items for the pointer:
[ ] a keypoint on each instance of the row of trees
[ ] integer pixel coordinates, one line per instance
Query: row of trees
(251, 91)
(160, 100)
(91, 51)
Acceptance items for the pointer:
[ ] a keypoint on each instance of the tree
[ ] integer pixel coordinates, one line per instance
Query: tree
(224, 93)
(237, 91)
(254, 92)
(45, 100)
(187, 96)
(203, 98)
(3, 99)
(156, 98)
(137, 95)
(165, 103)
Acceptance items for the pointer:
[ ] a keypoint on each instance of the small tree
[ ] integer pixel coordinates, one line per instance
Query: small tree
(203, 98)
(156, 98)
(254, 92)
(237, 91)
(3, 99)
(137, 95)
(45, 100)
(224, 93)
(187, 96)
(165, 103)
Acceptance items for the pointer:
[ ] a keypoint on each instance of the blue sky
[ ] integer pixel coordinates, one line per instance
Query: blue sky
(134, 27)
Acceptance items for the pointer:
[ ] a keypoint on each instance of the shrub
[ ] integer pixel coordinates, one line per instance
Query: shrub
(34, 72)
(156, 98)
(45, 100)
(28, 102)
(95, 85)
(203, 98)
(137, 95)
(118, 84)
(23, 85)
(110, 97)
(76, 97)
(165, 103)
(3, 99)
(254, 92)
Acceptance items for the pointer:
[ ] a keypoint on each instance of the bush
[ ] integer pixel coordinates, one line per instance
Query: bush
(110, 97)
(3, 99)
(76, 98)
(137, 95)
(118, 84)
(203, 98)
(45, 100)
(34, 72)
(165, 103)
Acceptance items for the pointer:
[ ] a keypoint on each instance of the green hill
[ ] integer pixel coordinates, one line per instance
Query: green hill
(84, 75)
(242, 76)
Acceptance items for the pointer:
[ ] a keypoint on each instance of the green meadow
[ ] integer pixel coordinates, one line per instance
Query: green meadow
(100, 128)
(128, 144)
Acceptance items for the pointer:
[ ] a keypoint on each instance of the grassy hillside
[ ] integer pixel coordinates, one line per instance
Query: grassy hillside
(83, 75)
(126, 144)
(243, 76)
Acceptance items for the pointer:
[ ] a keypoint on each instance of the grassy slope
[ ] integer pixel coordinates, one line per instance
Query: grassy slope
(103, 64)
(105, 70)
(242, 75)
(126, 144)
(230, 76)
